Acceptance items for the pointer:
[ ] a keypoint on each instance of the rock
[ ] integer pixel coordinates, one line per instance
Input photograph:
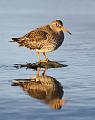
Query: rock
(49, 64)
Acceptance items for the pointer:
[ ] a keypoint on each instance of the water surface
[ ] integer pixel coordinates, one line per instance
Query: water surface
(77, 51)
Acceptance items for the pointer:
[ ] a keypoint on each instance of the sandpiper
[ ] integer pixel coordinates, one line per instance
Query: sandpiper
(44, 39)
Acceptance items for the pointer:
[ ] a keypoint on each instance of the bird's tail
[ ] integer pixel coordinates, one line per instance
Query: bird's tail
(14, 40)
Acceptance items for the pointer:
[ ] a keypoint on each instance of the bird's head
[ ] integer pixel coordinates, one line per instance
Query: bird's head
(58, 26)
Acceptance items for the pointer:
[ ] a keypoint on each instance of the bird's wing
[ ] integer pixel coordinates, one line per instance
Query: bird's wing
(34, 39)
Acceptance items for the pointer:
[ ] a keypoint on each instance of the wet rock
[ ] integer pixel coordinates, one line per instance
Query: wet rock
(50, 64)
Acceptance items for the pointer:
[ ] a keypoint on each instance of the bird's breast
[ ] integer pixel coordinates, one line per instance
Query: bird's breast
(60, 39)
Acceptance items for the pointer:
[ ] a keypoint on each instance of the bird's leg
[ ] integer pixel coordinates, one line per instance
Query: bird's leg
(38, 55)
(46, 58)
(44, 71)
(38, 72)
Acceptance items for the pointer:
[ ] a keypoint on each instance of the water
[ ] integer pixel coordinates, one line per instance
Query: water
(77, 51)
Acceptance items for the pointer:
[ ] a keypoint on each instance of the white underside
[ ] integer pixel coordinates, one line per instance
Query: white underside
(49, 48)
(43, 50)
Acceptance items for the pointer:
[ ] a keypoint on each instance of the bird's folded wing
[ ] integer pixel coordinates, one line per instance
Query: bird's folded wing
(34, 39)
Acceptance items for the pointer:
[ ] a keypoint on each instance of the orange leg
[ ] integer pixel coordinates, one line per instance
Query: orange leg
(38, 55)
(45, 57)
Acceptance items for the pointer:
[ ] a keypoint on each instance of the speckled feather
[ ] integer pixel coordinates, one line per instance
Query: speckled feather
(43, 39)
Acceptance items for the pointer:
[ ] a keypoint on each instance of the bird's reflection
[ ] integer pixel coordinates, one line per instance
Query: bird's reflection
(44, 88)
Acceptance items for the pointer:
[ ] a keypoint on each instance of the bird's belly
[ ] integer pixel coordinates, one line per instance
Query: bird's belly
(50, 47)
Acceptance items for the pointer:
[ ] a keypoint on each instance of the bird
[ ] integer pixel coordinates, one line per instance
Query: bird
(46, 38)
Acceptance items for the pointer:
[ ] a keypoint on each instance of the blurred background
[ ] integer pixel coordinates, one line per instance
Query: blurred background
(17, 17)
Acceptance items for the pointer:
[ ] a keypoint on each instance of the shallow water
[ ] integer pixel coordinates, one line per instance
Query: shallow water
(77, 51)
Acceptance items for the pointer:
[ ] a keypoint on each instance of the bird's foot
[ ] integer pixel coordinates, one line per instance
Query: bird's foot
(45, 61)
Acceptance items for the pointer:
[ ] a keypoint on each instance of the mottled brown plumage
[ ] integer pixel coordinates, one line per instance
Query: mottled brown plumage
(44, 39)
(44, 88)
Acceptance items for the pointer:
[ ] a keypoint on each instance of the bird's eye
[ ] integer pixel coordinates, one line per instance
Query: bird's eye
(57, 25)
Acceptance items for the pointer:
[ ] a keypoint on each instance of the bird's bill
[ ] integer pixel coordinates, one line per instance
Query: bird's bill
(66, 30)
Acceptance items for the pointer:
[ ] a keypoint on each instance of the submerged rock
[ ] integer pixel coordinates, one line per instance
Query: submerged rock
(49, 64)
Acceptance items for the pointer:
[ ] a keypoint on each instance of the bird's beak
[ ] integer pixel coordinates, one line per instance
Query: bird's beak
(65, 30)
